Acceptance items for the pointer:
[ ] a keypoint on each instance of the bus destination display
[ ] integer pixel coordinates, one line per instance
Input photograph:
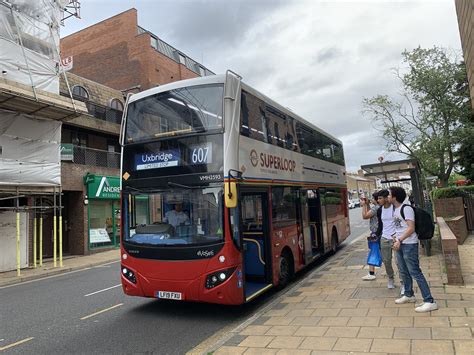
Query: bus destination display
(197, 154)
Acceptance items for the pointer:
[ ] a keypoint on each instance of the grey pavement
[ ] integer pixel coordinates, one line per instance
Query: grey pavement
(332, 311)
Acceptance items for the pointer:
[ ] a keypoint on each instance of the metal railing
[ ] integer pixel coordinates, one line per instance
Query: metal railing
(100, 112)
(104, 113)
(95, 157)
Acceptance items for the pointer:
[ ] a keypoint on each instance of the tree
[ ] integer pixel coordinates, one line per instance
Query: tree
(431, 120)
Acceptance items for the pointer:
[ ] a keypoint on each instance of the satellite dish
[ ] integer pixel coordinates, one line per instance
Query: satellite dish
(380, 158)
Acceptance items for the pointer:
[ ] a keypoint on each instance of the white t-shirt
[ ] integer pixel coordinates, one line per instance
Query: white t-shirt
(176, 218)
(401, 224)
(387, 221)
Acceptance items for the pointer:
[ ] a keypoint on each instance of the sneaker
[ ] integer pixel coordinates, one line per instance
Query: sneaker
(391, 284)
(405, 299)
(427, 307)
(369, 277)
(402, 290)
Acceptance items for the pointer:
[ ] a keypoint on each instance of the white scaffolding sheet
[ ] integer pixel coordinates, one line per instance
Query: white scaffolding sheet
(29, 42)
(29, 150)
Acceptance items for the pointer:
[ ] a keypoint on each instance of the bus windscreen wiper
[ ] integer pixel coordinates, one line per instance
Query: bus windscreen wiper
(173, 184)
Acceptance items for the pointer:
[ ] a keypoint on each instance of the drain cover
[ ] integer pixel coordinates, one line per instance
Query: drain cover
(373, 293)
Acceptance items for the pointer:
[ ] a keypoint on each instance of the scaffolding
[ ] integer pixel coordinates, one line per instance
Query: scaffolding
(39, 205)
(30, 165)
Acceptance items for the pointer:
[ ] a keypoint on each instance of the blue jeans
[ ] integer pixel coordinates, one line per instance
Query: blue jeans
(409, 267)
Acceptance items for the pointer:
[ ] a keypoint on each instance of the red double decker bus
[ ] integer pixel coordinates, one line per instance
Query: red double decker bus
(225, 193)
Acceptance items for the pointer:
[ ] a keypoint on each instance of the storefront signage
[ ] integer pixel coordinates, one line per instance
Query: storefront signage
(99, 235)
(103, 187)
(164, 159)
(67, 151)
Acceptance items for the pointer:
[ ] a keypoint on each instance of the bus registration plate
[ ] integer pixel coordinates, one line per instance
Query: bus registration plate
(169, 295)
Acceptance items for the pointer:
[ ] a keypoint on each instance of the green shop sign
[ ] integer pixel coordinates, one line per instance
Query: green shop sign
(102, 187)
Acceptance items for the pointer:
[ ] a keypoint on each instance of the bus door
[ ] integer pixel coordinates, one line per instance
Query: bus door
(316, 218)
(256, 243)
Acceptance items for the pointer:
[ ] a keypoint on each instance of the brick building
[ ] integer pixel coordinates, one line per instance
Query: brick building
(465, 12)
(117, 52)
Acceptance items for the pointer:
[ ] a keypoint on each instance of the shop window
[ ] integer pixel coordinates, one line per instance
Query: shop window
(101, 223)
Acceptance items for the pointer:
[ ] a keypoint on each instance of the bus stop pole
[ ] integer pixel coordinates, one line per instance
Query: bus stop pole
(34, 233)
(60, 229)
(54, 230)
(18, 254)
(41, 234)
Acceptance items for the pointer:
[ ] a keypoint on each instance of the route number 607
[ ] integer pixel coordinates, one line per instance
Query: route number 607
(200, 155)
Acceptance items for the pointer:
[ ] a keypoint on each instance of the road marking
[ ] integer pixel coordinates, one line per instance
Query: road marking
(102, 311)
(15, 344)
(105, 289)
(107, 264)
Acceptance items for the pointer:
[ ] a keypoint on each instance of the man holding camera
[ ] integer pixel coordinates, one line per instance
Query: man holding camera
(386, 231)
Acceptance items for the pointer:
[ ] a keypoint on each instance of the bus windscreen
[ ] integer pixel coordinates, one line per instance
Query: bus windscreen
(176, 112)
(176, 217)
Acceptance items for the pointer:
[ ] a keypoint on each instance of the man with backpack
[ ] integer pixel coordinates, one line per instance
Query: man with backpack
(406, 245)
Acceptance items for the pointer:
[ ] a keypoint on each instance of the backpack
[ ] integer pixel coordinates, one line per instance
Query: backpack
(424, 226)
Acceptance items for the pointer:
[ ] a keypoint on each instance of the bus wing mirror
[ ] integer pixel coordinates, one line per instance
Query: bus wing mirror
(230, 193)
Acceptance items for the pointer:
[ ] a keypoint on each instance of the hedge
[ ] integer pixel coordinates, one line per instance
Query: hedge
(450, 192)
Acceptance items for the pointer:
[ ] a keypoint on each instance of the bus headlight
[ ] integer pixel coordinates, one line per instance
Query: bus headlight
(218, 277)
(129, 275)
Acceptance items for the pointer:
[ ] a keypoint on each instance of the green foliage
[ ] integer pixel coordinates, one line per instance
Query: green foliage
(451, 192)
(331, 201)
(432, 117)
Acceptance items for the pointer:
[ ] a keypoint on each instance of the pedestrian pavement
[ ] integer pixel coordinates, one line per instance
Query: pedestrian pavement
(70, 263)
(332, 311)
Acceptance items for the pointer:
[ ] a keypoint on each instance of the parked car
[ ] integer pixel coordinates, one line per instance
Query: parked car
(356, 202)
(351, 204)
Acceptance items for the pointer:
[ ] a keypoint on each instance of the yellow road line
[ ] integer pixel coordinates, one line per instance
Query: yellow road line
(102, 311)
(15, 344)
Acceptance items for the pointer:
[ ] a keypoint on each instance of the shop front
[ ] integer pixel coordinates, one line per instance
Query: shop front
(103, 210)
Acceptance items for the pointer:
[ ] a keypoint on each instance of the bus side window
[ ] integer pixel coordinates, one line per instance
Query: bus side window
(244, 116)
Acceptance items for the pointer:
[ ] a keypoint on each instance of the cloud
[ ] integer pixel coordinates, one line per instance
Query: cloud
(318, 58)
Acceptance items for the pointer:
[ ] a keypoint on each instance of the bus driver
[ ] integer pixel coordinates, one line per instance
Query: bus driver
(177, 216)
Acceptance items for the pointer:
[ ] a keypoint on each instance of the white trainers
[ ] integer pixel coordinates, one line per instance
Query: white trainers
(405, 299)
(391, 283)
(427, 307)
(369, 277)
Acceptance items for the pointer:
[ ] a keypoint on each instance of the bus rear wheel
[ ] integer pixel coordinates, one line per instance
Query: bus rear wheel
(334, 242)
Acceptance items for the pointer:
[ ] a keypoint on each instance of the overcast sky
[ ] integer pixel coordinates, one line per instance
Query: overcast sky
(318, 58)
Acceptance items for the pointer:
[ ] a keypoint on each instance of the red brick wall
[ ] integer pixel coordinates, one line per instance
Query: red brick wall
(449, 207)
(449, 245)
(458, 227)
(112, 53)
(465, 12)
